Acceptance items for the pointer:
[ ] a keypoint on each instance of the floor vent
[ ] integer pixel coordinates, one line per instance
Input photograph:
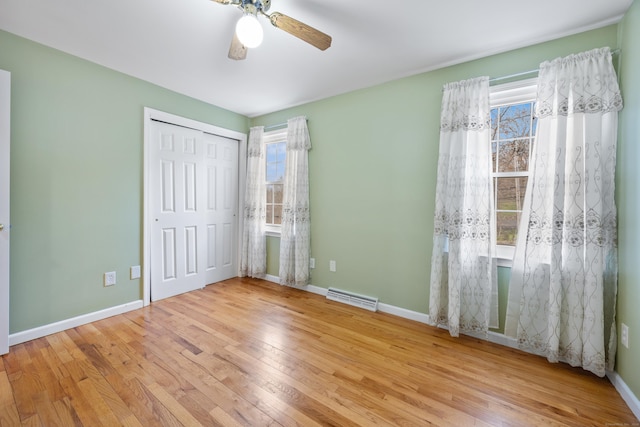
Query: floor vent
(356, 300)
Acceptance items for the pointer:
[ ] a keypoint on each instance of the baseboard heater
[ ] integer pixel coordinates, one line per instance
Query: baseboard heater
(350, 298)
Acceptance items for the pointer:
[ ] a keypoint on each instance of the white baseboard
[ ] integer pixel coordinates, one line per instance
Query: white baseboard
(52, 328)
(316, 290)
(403, 312)
(270, 278)
(493, 337)
(498, 338)
(309, 288)
(384, 308)
(627, 395)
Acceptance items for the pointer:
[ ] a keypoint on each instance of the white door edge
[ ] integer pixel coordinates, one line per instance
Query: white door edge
(5, 164)
(151, 114)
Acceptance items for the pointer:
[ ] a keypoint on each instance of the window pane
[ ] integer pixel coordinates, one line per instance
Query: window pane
(276, 155)
(280, 172)
(507, 224)
(272, 151)
(277, 214)
(494, 155)
(513, 129)
(270, 193)
(494, 124)
(269, 214)
(277, 193)
(282, 153)
(510, 193)
(513, 156)
(515, 121)
(272, 172)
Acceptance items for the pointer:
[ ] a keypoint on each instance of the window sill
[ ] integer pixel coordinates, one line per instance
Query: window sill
(272, 231)
(504, 255)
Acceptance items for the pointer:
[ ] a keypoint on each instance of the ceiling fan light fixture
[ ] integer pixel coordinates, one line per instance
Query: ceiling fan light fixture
(249, 30)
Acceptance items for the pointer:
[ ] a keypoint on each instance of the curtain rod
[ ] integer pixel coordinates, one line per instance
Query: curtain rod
(278, 125)
(511, 76)
(525, 73)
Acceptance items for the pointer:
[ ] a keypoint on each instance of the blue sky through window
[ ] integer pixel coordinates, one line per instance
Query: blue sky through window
(276, 156)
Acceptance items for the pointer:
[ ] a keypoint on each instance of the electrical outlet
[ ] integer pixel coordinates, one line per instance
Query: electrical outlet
(624, 335)
(135, 272)
(312, 263)
(332, 266)
(110, 278)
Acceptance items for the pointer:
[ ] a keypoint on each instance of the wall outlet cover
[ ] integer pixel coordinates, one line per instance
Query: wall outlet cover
(110, 278)
(135, 272)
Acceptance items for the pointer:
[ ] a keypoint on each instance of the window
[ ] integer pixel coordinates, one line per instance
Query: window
(512, 135)
(275, 149)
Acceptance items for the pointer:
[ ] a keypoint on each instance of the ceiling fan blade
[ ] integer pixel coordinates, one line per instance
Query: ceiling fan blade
(237, 50)
(302, 31)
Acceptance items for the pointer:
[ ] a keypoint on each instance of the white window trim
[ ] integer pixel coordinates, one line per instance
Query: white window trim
(277, 135)
(513, 92)
(272, 230)
(505, 94)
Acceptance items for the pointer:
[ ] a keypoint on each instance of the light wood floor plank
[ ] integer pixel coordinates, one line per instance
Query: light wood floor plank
(8, 410)
(246, 352)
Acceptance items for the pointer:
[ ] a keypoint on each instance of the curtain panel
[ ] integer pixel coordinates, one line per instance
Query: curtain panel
(564, 277)
(463, 289)
(253, 260)
(295, 233)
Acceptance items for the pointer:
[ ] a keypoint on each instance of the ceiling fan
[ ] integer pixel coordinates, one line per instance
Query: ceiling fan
(248, 32)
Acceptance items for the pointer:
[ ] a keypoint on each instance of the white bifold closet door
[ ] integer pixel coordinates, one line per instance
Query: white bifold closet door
(193, 202)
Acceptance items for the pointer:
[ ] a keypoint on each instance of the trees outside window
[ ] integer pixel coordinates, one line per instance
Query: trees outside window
(512, 135)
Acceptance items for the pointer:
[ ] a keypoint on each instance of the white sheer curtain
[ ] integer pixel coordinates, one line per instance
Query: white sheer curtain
(295, 233)
(253, 262)
(463, 293)
(564, 276)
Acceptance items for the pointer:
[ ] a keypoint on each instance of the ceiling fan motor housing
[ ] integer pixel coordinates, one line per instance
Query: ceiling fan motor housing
(259, 5)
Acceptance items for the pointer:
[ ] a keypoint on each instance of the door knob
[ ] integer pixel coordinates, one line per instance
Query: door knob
(1, 227)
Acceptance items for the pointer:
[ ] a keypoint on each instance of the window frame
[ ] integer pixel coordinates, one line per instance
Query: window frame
(503, 94)
(272, 137)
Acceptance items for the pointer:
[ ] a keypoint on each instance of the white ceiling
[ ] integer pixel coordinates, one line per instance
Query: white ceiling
(182, 45)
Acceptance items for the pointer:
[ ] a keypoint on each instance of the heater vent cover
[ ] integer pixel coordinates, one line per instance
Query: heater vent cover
(362, 301)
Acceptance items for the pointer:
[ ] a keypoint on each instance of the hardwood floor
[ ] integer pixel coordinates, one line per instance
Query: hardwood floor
(253, 353)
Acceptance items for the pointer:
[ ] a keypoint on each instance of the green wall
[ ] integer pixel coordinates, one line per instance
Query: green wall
(273, 255)
(628, 199)
(76, 179)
